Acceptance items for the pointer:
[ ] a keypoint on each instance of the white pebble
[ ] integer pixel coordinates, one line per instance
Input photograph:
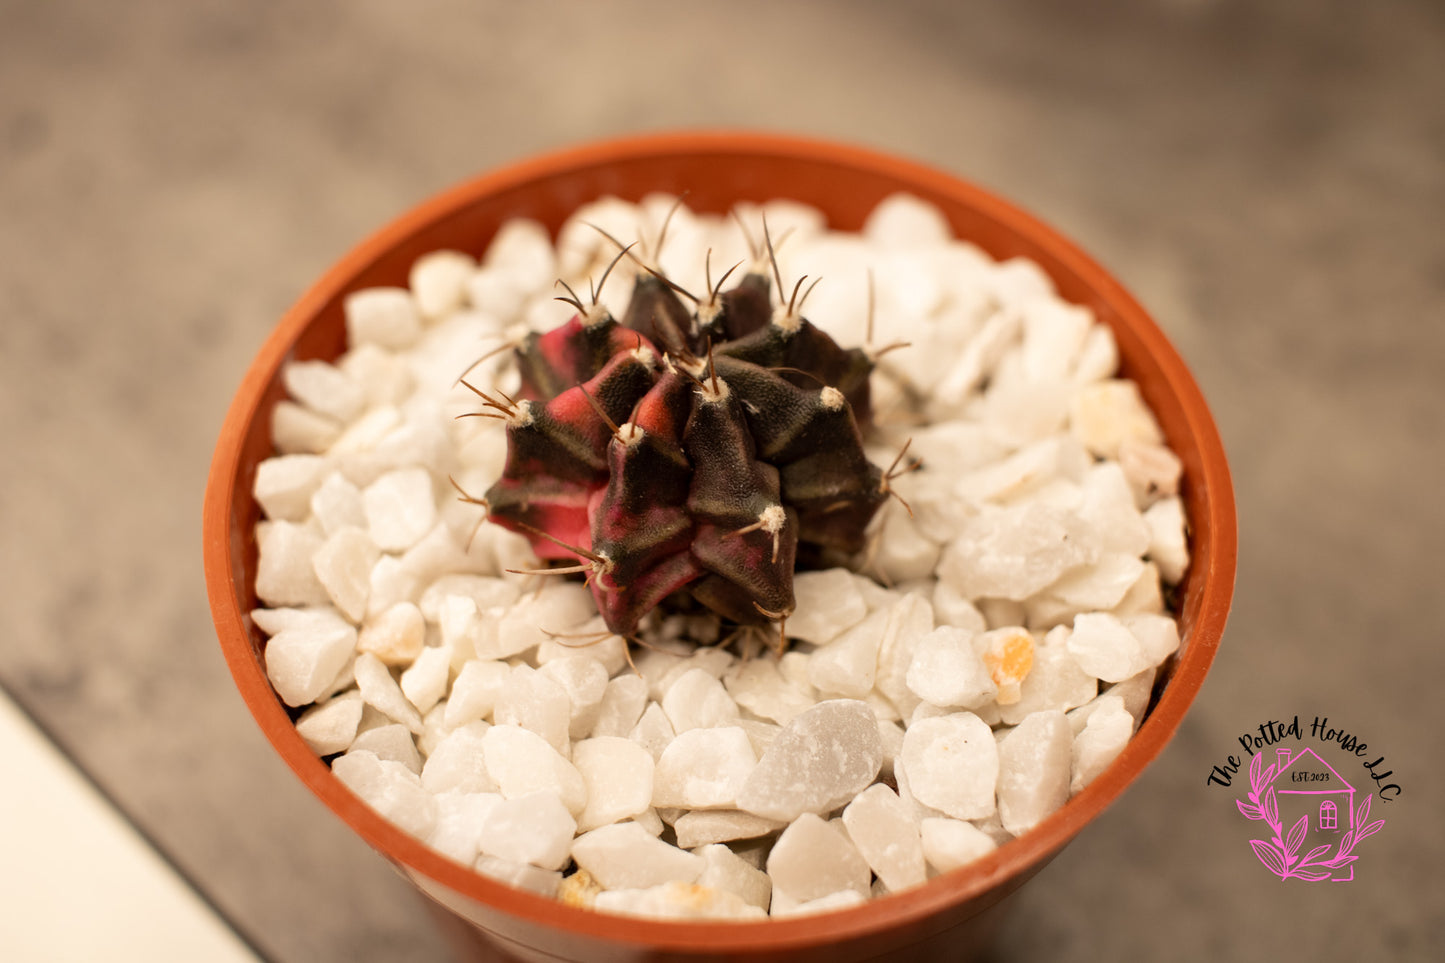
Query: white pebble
(758, 685)
(885, 831)
(1054, 682)
(1104, 648)
(626, 856)
(847, 666)
(1105, 414)
(343, 566)
(1033, 770)
(1158, 636)
(1136, 691)
(461, 626)
(1144, 597)
(974, 363)
(1027, 471)
(783, 907)
(584, 679)
(284, 573)
(560, 607)
(458, 830)
(284, 485)
(677, 901)
(325, 389)
(815, 858)
(438, 281)
(904, 551)
(947, 671)
(724, 870)
(1099, 356)
(1101, 585)
(1168, 546)
(396, 636)
(952, 764)
(494, 292)
(1053, 337)
(951, 608)
(301, 661)
(951, 843)
(458, 763)
(400, 508)
(610, 651)
(336, 504)
(619, 778)
(707, 826)
(433, 728)
(535, 828)
(890, 733)
(382, 693)
(697, 700)
(1152, 471)
(827, 603)
(475, 691)
(297, 430)
(621, 707)
(382, 375)
(909, 619)
(523, 876)
(1012, 553)
(822, 759)
(391, 742)
(1109, 512)
(522, 762)
(386, 317)
(903, 220)
(330, 727)
(1102, 739)
(424, 682)
(533, 701)
(649, 820)
(523, 248)
(276, 621)
(653, 731)
(391, 789)
(703, 769)
(485, 592)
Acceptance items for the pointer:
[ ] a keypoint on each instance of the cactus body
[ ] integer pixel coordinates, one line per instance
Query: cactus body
(701, 449)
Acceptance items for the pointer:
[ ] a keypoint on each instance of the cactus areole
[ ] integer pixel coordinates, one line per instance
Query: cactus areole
(706, 448)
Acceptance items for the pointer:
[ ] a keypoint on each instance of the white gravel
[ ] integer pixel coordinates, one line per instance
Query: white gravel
(990, 654)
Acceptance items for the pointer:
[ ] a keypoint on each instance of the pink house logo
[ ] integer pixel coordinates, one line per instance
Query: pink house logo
(1325, 822)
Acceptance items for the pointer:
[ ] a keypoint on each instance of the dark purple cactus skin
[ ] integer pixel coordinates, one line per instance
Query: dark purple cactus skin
(697, 449)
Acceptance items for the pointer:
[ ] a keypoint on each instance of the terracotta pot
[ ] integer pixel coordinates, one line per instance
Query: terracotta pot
(935, 921)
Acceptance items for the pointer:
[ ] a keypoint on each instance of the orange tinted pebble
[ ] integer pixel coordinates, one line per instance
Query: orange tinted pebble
(1009, 658)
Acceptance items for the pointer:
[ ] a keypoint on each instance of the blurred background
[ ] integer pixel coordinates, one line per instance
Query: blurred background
(1267, 177)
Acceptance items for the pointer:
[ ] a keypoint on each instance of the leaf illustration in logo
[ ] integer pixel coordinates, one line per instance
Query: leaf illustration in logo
(1271, 807)
(1313, 875)
(1268, 855)
(1370, 830)
(1256, 770)
(1250, 812)
(1315, 853)
(1363, 812)
(1296, 836)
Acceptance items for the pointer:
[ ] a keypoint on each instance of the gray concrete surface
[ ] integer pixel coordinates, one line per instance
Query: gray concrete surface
(1267, 177)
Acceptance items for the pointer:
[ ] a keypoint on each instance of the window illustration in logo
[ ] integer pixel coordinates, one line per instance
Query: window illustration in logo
(1326, 823)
